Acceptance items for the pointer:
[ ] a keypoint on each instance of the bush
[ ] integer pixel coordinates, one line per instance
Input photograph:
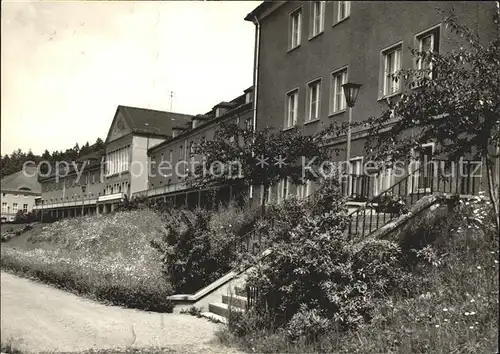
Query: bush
(200, 246)
(445, 301)
(310, 272)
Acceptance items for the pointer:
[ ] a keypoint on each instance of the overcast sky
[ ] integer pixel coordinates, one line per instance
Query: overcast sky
(67, 65)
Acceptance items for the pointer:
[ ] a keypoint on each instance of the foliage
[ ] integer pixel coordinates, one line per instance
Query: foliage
(193, 311)
(454, 102)
(255, 158)
(106, 257)
(23, 217)
(452, 305)
(313, 281)
(390, 204)
(198, 247)
(14, 162)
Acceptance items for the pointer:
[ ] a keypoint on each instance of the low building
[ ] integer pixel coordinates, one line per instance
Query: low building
(21, 191)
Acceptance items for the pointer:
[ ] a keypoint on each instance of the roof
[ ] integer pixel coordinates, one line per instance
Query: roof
(24, 180)
(265, 5)
(148, 121)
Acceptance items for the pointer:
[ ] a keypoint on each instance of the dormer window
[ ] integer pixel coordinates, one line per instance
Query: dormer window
(249, 97)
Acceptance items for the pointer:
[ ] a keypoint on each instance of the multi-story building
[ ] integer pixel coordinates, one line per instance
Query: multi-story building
(305, 51)
(74, 188)
(20, 191)
(98, 182)
(172, 159)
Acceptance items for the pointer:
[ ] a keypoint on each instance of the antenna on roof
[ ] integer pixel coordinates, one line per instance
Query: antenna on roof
(171, 99)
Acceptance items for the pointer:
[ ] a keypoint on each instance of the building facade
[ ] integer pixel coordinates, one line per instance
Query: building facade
(171, 160)
(21, 191)
(306, 50)
(99, 182)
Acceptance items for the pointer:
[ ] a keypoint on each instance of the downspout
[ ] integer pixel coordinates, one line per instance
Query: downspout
(255, 82)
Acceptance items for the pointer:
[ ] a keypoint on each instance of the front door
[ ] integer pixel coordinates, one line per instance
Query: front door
(424, 169)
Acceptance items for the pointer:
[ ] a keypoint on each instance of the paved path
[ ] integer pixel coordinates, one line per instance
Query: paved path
(37, 317)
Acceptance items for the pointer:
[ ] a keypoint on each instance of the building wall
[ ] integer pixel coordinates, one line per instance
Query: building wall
(355, 43)
(10, 199)
(117, 176)
(140, 166)
(180, 150)
(68, 188)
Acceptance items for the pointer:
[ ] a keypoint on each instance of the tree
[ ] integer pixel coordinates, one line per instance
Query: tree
(98, 145)
(454, 102)
(261, 160)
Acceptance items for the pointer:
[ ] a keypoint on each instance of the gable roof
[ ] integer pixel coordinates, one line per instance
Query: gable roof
(21, 180)
(149, 121)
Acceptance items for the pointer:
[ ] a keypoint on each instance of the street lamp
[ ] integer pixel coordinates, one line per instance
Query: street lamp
(351, 91)
(84, 187)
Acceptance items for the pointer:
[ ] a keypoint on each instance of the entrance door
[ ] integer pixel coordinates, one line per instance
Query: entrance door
(422, 178)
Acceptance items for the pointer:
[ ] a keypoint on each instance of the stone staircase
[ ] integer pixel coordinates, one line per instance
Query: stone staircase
(235, 302)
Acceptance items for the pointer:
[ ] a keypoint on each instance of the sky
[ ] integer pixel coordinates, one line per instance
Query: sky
(66, 66)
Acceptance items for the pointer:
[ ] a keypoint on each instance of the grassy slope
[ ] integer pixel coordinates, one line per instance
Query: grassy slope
(107, 257)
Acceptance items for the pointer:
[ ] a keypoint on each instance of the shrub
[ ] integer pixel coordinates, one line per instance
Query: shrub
(446, 301)
(200, 246)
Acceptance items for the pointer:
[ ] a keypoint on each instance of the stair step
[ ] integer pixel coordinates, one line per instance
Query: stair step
(235, 300)
(222, 309)
(214, 317)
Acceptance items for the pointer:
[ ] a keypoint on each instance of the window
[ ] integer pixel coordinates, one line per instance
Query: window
(313, 99)
(427, 42)
(170, 156)
(15, 194)
(337, 99)
(317, 17)
(14, 208)
(392, 64)
(304, 190)
(4, 194)
(161, 157)
(343, 10)
(356, 178)
(422, 168)
(295, 28)
(249, 124)
(25, 208)
(283, 189)
(4, 207)
(292, 99)
(180, 154)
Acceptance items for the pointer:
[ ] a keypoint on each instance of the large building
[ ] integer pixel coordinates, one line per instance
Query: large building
(177, 155)
(20, 192)
(99, 182)
(306, 50)
(137, 141)
(304, 53)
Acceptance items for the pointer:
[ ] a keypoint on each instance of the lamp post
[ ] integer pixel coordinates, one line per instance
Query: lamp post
(84, 187)
(351, 91)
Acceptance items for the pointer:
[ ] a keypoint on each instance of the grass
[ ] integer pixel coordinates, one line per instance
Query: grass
(106, 257)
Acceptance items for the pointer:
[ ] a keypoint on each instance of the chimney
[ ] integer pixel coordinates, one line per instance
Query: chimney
(199, 119)
(176, 130)
(222, 108)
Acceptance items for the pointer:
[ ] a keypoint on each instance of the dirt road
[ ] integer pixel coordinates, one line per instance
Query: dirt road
(37, 317)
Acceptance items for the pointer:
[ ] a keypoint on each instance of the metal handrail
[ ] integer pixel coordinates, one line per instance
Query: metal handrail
(399, 191)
